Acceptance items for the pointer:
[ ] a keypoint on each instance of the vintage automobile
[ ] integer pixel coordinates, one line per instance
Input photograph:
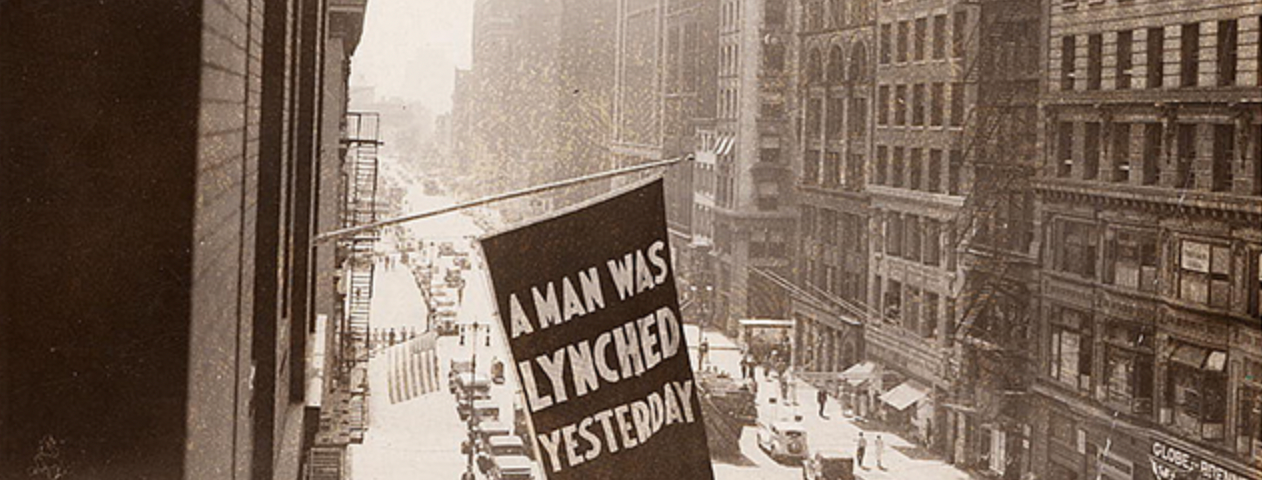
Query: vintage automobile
(500, 446)
(483, 431)
(512, 467)
(486, 409)
(825, 465)
(782, 440)
(467, 384)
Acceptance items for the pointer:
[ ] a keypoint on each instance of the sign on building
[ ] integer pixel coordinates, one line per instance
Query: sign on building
(588, 302)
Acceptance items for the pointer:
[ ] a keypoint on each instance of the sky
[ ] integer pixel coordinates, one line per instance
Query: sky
(411, 48)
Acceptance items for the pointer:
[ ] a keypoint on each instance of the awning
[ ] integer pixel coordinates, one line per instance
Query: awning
(1190, 355)
(859, 372)
(905, 394)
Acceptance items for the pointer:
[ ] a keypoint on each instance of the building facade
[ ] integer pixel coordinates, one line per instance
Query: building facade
(1150, 211)
(160, 198)
(834, 86)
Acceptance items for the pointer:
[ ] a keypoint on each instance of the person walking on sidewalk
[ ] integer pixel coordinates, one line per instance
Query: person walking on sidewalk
(863, 447)
(880, 451)
(821, 396)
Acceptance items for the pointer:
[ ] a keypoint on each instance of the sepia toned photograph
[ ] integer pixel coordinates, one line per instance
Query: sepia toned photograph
(631, 239)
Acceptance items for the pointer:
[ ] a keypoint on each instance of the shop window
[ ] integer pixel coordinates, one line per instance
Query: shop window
(1196, 391)
(1156, 52)
(1132, 259)
(1071, 346)
(1205, 273)
(1078, 243)
(1128, 371)
(1249, 413)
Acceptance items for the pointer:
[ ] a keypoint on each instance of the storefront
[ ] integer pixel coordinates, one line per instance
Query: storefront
(908, 407)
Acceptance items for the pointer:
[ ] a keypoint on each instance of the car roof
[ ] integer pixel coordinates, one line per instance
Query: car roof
(831, 455)
(788, 426)
(514, 462)
(493, 426)
(505, 440)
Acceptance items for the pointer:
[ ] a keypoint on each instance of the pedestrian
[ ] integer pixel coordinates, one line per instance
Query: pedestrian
(821, 396)
(863, 447)
(391, 337)
(784, 389)
(880, 450)
(744, 366)
(704, 351)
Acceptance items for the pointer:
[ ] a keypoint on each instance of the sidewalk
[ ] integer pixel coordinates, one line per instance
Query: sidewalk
(902, 458)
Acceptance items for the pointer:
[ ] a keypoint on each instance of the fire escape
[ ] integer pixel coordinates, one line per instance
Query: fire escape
(360, 172)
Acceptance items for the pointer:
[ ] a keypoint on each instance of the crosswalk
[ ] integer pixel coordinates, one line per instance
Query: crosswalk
(413, 368)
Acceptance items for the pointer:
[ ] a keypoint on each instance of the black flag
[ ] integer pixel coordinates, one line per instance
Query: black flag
(589, 304)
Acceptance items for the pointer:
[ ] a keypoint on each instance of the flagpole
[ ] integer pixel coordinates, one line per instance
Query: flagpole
(498, 197)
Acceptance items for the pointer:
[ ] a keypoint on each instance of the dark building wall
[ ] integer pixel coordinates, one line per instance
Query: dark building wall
(99, 141)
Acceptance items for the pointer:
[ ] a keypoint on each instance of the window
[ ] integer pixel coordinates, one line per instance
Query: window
(1125, 47)
(1196, 391)
(1205, 273)
(1156, 46)
(1091, 151)
(918, 105)
(813, 111)
(1257, 289)
(958, 25)
(769, 155)
(1095, 61)
(833, 116)
(1128, 366)
(894, 235)
(1187, 155)
(1249, 419)
(893, 301)
(1189, 61)
(1121, 152)
(885, 44)
(929, 324)
(911, 311)
(883, 105)
(1078, 248)
(939, 36)
(775, 12)
(1224, 156)
(911, 233)
(957, 104)
(810, 168)
(935, 104)
(832, 169)
(935, 171)
(1152, 153)
(916, 170)
(1072, 343)
(1064, 149)
(1132, 259)
(900, 105)
(773, 57)
(922, 24)
(882, 161)
(896, 173)
(954, 168)
(1067, 54)
(902, 41)
(933, 242)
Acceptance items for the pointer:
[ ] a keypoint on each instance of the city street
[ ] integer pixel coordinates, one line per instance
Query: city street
(420, 438)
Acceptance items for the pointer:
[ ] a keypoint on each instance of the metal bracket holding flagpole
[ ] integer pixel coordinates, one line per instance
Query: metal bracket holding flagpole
(326, 236)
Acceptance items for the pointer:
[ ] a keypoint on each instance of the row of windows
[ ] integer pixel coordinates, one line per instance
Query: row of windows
(856, 118)
(916, 239)
(837, 13)
(914, 40)
(1130, 258)
(1187, 57)
(1134, 153)
(917, 310)
(920, 105)
(832, 172)
(911, 168)
(833, 227)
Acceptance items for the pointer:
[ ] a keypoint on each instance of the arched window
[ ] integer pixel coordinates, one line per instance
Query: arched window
(859, 64)
(836, 66)
(814, 67)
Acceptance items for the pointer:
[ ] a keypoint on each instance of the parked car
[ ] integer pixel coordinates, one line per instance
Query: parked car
(783, 440)
(512, 467)
(466, 384)
(484, 431)
(499, 446)
(826, 465)
(485, 408)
